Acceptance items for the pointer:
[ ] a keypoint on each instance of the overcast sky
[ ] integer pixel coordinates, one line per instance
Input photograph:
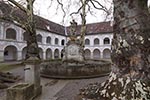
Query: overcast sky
(43, 8)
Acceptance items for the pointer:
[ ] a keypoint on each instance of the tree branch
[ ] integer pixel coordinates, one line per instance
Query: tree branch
(61, 4)
(18, 5)
(11, 20)
(77, 11)
(101, 6)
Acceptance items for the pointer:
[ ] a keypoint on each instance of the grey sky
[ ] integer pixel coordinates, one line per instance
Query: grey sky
(43, 9)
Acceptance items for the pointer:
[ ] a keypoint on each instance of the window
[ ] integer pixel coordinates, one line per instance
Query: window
(56, 41)
(25, 36)
(96, 41)
(106, 41)
(48, 40)
(39, 38)
(87, 42)
(63, 42)
(11, 34)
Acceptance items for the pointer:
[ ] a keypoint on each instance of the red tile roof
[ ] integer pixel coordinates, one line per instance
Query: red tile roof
(44, 24)
(95, 28)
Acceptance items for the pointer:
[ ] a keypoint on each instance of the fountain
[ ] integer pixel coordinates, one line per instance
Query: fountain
(73, 64)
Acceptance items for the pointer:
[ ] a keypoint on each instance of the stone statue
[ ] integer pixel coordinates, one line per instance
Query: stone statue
(73, 27)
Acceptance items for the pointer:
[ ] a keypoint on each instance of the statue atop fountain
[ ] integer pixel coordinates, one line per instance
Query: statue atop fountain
(73, 52)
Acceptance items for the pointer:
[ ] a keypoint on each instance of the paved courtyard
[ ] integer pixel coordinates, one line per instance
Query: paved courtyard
(57, 89)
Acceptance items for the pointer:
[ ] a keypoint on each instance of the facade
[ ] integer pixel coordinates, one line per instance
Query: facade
(51, 44)
(52, 38)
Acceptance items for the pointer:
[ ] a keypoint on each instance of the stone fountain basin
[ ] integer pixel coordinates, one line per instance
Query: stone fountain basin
(72, 70)
(20, 91)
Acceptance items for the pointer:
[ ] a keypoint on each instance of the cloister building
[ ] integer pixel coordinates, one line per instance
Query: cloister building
(52, 38)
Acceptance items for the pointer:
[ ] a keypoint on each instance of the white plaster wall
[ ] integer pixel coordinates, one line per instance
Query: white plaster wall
(20, 44)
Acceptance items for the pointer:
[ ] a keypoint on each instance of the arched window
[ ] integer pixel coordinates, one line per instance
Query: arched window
(63, 42)
(106, 54)
(56, 54)
(48, 40)
(48, 53)
(56, 41)
(87, 54)
(106, 41)
(10, 53)
(24, 52)
(96, 41)
(25, 36)
(87, 42)
(96, 54)
(11, 34)
(39, 38)
(41, 53)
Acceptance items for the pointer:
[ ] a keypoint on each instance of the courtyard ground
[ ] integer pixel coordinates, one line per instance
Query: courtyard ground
(56, 89)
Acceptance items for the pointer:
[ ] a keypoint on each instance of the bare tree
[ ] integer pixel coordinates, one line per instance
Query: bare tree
(26, 21)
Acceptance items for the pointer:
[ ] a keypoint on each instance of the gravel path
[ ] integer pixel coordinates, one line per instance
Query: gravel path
(70, 91)
(56, 89)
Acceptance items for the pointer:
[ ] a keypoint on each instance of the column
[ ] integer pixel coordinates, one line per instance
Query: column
(52, 54)
(92, 55)
(1, 55)
(44, 55)
(19, 55)
(1, 31)
(101, 55)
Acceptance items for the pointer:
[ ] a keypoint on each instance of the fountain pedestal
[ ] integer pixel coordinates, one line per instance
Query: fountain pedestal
(73, 52)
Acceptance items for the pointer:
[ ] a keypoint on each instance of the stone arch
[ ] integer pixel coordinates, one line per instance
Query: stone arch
(96, 54)
(48, 40)
(87, 42)
(56, 41)
(24, 52)
(106, 41)
(56, 54)
(63, 42)
(87, 54)
(48, 53)
(11, 34)
(106, 53)
(96, 41)
(39, 38)
(41, 52)
(10, 53)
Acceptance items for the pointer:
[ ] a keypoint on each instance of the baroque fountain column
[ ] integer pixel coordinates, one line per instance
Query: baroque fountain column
(73, 50)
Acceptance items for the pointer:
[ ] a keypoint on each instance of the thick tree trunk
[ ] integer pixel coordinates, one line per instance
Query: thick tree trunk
(32, 45)
(130, 46)
(130, 76)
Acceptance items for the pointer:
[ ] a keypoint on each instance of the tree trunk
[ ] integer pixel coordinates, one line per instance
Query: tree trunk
(32, 45)
(130, 46)
(83, 27)
(130, 76)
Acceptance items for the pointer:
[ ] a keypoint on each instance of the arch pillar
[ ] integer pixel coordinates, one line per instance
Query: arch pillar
(19, 55)
(91, 55)
(44, 55)
(101, 55)
(52, 54)
(1, 55)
